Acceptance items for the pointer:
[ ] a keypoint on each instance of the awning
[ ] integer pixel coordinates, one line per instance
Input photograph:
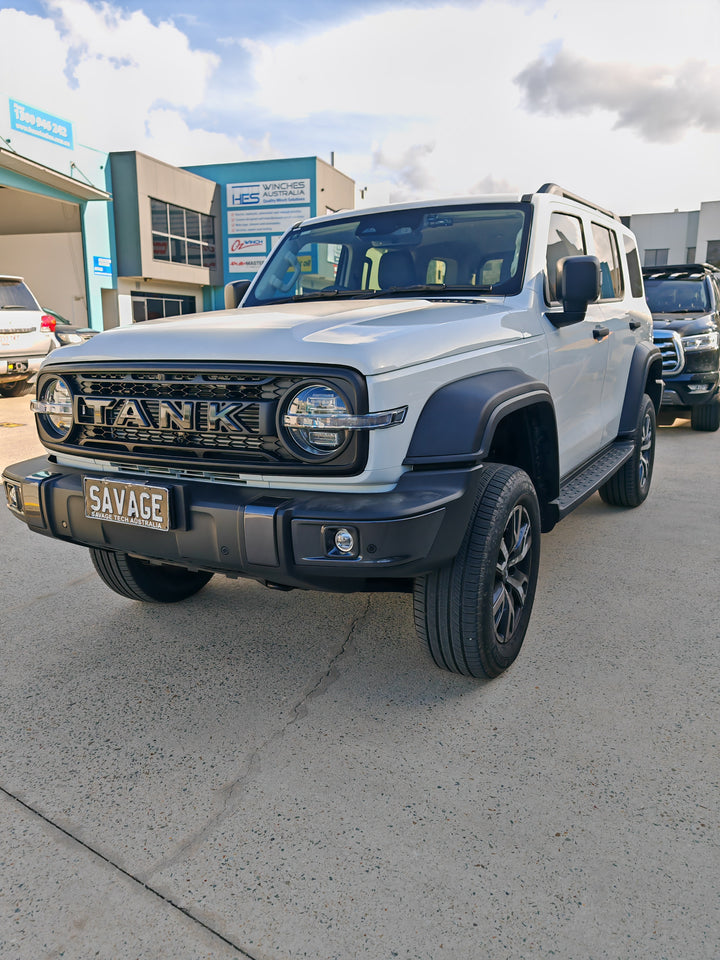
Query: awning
(50, 178)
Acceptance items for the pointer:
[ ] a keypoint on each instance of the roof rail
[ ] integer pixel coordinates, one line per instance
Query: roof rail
(560, 192)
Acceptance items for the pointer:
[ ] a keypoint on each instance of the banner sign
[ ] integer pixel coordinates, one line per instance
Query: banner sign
(37, 123)
(245, 245)
(257, 214)
(268, 193)
(102, 266)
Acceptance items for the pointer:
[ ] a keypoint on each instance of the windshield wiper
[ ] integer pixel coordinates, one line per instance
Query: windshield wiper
(432, 288)
(323, 294)
(14, 306)
(424, 288)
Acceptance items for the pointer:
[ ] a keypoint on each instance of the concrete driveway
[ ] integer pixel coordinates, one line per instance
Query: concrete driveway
(280, 776)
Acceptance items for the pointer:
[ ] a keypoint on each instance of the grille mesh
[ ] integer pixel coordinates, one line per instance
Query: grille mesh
(251, 398)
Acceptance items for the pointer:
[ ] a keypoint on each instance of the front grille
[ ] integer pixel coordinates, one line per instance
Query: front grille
(217, 418)
(673, 357)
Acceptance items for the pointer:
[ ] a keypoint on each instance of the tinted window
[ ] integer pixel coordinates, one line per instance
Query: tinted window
(634, 269)
(677, 296)
(463, 248)
(606, 250)
(14, 293)
(565, 239)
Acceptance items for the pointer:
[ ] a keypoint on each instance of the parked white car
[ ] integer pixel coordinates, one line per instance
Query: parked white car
(26, 336)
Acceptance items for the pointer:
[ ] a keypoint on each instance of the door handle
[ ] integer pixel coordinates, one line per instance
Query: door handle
(634, 324)
(601, 332)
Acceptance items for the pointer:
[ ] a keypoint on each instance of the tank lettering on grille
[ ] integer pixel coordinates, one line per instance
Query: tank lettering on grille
(224, 417)
(97, 405)
(177, 414)
(131, 414)
(183, 416)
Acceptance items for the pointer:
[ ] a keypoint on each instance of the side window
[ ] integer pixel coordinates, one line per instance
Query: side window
(634, 269)
(606, 250)
(565, 239)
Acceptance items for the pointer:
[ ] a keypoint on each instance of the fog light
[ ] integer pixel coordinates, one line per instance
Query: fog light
(344, 541)
(699, 387)
(12, 492)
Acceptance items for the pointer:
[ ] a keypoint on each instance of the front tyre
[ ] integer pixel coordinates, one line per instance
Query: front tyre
(473, 613)
(630, 486)
(140, 580)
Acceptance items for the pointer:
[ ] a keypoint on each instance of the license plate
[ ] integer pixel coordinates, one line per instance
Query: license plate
(135, 504)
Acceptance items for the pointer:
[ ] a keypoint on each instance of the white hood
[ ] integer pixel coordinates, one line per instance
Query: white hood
(371, 336)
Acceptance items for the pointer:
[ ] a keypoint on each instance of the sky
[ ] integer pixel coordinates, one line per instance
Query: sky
(618, 100)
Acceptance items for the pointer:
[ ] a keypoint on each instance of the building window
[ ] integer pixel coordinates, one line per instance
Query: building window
(152, 306)
(182, 236)
(656, 258)
(690, 255)
(713, 252)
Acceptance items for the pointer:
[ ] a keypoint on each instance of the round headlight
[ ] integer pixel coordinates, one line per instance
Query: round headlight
(308, 420)
(57, 417)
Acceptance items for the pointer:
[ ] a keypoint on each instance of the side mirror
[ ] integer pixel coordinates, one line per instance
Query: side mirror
(578, 284)
(234, 292)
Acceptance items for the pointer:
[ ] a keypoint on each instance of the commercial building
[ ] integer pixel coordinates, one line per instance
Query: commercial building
(683, 236)
(108, 239)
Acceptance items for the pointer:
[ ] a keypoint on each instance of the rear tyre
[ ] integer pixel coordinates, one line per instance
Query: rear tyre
(141, 580)
(630, 486)
(472, 614)
(15, 388)
(706, 416)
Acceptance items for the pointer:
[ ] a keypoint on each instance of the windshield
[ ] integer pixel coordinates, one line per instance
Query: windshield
(677, 296)
(14, 293)
(439, 250)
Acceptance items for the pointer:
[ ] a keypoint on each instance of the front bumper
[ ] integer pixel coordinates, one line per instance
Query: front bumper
(690, 389)
(284, 538)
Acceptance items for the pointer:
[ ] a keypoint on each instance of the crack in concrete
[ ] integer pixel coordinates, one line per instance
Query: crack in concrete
(126, 873)
(253, 762)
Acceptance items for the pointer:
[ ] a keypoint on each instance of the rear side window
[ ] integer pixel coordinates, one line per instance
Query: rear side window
(634, 269)
(606, 249)
(565, 239)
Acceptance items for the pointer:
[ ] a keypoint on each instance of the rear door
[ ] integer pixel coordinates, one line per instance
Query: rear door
(623, 323)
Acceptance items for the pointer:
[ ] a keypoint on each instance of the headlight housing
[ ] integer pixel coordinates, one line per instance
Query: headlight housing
(54, 407)
(312, 420)
(703, 341)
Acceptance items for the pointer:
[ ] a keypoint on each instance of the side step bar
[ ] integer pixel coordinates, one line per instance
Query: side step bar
(593, 475)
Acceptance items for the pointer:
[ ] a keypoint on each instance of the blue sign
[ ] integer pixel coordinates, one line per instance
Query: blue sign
(102, 266)
(37, 123)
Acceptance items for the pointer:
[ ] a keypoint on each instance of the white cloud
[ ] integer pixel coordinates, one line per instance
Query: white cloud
(425, 101)
(126, 83)
(445, 79)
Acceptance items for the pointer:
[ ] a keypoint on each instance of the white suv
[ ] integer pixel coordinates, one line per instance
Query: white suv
(404, 400)
(26, 336)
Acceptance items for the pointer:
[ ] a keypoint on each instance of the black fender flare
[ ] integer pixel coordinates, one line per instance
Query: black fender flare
(645, 376)
(459, 420)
